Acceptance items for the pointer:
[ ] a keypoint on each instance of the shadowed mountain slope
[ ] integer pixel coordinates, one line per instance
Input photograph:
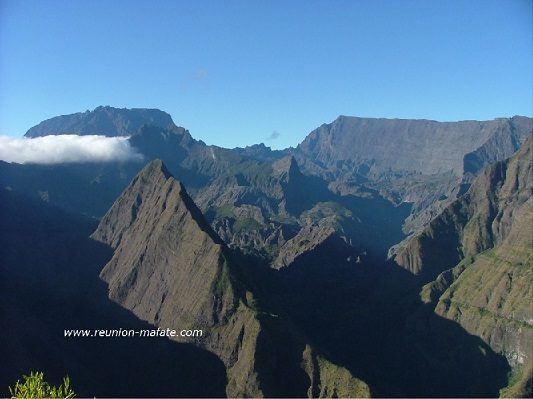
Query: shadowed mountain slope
(426, 163)
(479, 252)
(171, 269)
(88, 189)
(49, 280)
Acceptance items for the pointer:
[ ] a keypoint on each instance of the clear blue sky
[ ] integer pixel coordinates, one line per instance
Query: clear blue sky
(235, 72)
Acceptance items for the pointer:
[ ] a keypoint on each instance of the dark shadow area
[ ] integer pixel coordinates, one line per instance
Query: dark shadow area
(369, 319)
(84, 188)
(357, 312)
(380, 224)
(278, 360)
(304, 193)
(49, 279)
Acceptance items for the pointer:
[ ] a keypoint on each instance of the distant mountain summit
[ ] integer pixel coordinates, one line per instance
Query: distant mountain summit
(376, 146)
(105, 121)
(424, 162)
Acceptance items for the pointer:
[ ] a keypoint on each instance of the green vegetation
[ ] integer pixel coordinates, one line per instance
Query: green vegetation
(225, 211)
(283, 219)
(223, 280)
(328, 213)
(34, 386)
(326, 209)
(246, 224)
(336, 381)
(269, 252)
(475, 223)
(517, 382)
(431, 292)
(462, 308)
(250, 172)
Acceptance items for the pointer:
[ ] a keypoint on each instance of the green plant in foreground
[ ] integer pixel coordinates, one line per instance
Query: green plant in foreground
(34, 386)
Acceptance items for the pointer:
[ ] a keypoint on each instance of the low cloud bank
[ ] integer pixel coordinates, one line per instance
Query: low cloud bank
(66, 148)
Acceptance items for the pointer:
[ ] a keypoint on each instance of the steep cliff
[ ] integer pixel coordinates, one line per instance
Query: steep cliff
(373, 147)
(479, 220)
(479, 254)
(426, 163)
(172, 270)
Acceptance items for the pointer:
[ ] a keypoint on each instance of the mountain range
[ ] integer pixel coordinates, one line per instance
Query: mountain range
(380, 257)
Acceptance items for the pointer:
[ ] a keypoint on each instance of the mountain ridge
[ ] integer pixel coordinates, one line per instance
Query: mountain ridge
(170, 269)
(285, 273)
(106, 121)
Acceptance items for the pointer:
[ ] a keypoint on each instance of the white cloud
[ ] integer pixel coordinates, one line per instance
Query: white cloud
(66, 148)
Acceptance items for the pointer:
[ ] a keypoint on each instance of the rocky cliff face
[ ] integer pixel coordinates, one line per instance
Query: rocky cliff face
(381, 146)
(479, 220)
(172, 270)
(424, 162)
(256, 206)
(480, 254)
(152, 219)
(106, 121)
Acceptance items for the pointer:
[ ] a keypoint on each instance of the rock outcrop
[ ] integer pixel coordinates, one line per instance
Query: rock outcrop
(424, 163)
(285, 274)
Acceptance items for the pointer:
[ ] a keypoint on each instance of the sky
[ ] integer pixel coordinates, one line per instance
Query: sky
(236, 73)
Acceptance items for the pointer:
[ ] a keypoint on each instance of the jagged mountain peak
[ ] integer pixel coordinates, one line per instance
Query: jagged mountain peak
(164, 251)
(260, 152)
(287, 167)
(154, 168)
(152, 176)
(155, 195)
